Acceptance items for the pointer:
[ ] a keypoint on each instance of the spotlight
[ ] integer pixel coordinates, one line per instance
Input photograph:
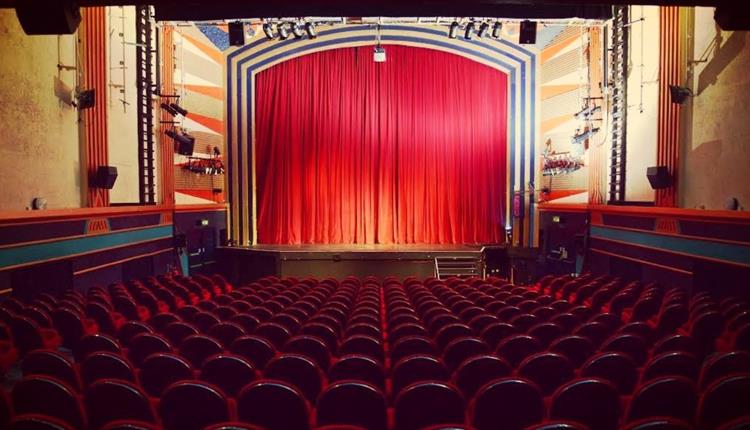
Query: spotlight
(469, 31)
(268, 30)
(310, 29)
(297, 30)
(453, 31)
(527, 34)
(185, 142)
(484, 28)
(379, 54)
(169, 109)
(587, 112)
(497, 29)
(580, 137)
(178, 109)
(679, 95)
(283, 32)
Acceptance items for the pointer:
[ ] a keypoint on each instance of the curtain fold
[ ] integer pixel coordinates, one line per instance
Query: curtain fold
(349, 151)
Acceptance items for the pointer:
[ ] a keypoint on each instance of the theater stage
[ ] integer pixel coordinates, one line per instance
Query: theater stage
(246, 263)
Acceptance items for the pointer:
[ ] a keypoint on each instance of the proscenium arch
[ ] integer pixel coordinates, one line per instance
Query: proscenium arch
(519, 63)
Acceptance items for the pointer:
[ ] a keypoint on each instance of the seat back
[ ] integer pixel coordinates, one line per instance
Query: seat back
(590, 401)
(48, 396)
(298, 370)
(462, 348)
(109, 400)
(162, 370)
(228, 372)
(548, 370)
(273, 405)
(508, 403)
(106, 365)
(473, 373)
(352, 402)
(417, 368)
(358, 367)
(516, 348)
(197, 348)
(427, 403)
(144, 344)
(51, 363)
(723, 401)
(192, 405)
(669, 396)
(615, 367)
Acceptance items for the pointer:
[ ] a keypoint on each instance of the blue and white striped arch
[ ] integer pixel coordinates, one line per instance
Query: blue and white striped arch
(242, 64)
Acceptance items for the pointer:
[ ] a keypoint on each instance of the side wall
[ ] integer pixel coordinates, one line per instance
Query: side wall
(40, 126)
(716, 147)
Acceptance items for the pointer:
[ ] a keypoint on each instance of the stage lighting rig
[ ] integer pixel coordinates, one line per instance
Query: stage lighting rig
(453, 30)
(497, 30)
(469, 33)
(484, 28)
(268, 30)
(283, 31)
(169, 109)
(178, 109)
(310, 30)
(297, 30)
(588, 111)
(585, 135)
(679, 95)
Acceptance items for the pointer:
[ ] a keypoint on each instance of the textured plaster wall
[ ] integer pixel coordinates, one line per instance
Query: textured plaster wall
(39, 145)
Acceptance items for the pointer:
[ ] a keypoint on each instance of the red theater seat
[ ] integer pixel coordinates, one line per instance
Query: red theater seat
(51, 363)
(507, 403)
(273, 405)
(427, 403)
(352, 402)
(37, 422)
(417, 368)
(358, 367)
(197, 348)
(473, 373)
(669, 396)
(228, 372)
(192, 405)
(592, 402)
(109, 400)
(144, 344)
(44, 395)
(162, 370)
(548, 370)
(723, 401)
(298, 370)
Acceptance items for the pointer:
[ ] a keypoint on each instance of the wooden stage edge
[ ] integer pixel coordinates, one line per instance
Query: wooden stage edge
(247, 263)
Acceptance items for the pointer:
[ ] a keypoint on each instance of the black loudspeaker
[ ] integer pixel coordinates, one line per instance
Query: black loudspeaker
(105, 177)
(236, 34)
(659, 177)
(527, 34)
(87, 99)
(185, 145)
(48, 16)
(496, 261)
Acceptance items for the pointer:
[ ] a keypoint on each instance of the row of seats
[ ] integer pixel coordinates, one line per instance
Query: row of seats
(404, 355)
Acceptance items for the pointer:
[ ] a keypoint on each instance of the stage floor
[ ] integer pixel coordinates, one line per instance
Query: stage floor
(252, 262)
(375, 248)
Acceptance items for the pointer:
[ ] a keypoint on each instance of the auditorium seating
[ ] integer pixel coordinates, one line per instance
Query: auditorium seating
(590, 352)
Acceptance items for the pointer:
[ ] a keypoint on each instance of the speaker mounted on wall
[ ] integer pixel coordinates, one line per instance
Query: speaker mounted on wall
(105, 177)
(527, 33)
(48, 16)
(659, 177)
(236, 33)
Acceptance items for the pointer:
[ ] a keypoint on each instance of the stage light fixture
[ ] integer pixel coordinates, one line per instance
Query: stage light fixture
(580, 137)
(178, 109)
(379, 54)
(484, 28)
(453, 31)
(310, 29)
(587, 112)
(297, 30)
(497, 30)
(468, 34)
(185, 142)
(679, 95)
(283, 32)
(268, 30)
(169, 109)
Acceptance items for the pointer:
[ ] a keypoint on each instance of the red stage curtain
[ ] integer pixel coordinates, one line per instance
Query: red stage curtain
(351, 151)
